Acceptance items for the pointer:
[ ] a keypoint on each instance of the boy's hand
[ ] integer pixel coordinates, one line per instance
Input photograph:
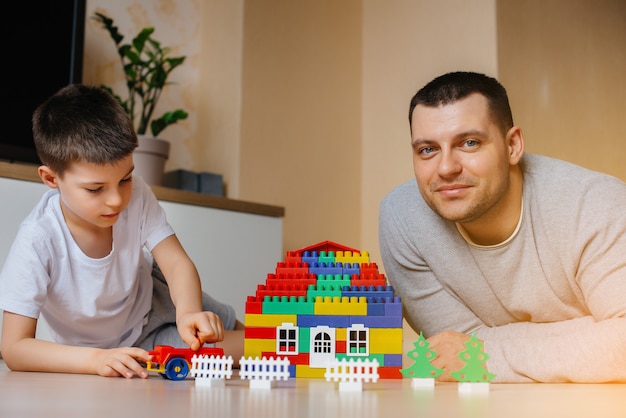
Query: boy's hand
(197, 328)
(124, 361)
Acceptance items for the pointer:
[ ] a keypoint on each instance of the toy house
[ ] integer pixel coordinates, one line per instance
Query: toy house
(325, 302)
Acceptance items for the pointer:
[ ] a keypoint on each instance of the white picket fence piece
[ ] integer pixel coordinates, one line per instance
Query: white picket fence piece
(263, 372)
(351, 374)
(211, 370)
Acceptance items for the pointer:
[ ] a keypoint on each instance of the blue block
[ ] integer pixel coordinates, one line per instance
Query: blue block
(310, 257)
(351, 269)
(377, 321)
(375, 309)
(333, 321)
(394, 307)
(326, 268)
(368, 291)
(393, 360)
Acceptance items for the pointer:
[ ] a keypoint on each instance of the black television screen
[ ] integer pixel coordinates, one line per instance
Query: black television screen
(43, 51)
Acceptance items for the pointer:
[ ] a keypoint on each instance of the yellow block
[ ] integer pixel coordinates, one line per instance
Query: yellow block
(255, 347)
(268, 320)
(340, 334)
(327, 305)
(306, 371)
(386, 341)
(350, 257)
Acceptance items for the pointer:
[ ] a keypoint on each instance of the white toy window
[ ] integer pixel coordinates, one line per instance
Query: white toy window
(358, 339)
(287, 339)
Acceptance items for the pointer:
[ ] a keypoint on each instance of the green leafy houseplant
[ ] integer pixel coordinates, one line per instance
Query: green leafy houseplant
(146, 67)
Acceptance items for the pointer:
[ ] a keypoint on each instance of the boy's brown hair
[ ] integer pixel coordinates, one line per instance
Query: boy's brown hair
(82, 123)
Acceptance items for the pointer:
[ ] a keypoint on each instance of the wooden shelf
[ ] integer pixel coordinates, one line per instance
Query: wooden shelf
(28, 172)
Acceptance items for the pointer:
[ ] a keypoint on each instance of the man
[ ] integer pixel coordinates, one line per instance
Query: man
(525, 251)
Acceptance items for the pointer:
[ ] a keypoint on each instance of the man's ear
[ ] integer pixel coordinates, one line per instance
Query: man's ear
(515, 143)
(48, 176)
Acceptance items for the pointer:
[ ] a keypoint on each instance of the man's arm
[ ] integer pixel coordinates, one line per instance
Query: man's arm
(428, 306)
(23, 352)
(586, 349)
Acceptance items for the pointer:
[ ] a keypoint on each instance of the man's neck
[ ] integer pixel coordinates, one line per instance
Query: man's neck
(499, 225)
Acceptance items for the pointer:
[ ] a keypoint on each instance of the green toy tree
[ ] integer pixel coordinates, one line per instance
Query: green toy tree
(474, 358)
(422, 356)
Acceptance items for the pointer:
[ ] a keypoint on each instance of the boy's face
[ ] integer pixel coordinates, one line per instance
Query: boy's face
(94, 195)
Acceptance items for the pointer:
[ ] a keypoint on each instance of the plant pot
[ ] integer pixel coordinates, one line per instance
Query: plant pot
(150, 157)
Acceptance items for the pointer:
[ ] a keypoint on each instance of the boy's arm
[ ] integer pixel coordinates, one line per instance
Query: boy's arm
(23, 352)
(194, 326)
(233, 343)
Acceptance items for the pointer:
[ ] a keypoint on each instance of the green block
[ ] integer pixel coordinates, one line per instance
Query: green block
(304, 342)
(313, 293)
(333, 281)
(325, 257)
(287, 305)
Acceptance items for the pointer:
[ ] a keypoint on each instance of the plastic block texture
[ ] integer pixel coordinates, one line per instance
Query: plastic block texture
(268, 320)
(340, 306)
(386, 340)
(334, 321)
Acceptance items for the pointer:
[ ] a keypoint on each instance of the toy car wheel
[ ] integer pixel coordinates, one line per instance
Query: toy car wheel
(176, 369)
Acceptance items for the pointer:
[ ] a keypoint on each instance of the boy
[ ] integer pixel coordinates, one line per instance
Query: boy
(78, 258)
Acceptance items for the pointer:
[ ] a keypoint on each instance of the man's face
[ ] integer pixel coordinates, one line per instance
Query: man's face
(94, 195)
(461, 159)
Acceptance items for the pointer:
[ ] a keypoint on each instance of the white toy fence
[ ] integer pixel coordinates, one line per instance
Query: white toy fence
(262, 372)
(351, 374)
(208, 369)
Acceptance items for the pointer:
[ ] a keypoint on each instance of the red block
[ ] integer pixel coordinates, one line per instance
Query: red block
(389, 373)
(264, 333)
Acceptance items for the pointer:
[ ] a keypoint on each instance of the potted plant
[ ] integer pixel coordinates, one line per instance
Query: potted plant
(147, 66)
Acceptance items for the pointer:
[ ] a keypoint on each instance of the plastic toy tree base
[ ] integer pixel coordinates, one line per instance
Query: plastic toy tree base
(473, 388)
(421, 383)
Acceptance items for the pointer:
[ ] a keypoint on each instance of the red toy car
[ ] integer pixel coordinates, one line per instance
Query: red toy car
(174, 363)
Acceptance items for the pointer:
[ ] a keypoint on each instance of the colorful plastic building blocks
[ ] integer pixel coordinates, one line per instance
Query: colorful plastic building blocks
(174, 363)
(325, 302)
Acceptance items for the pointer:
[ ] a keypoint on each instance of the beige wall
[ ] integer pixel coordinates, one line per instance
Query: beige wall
(301, 116)
(564, 63)
(406, 43)
(208, 85)
(302, 103)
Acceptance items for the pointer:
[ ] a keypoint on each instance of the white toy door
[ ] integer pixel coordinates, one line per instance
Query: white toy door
(322, 346)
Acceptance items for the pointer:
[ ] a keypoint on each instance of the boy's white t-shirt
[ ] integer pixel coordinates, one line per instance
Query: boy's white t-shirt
(86, 301)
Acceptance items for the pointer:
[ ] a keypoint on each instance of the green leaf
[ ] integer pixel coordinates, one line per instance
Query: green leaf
(167, 119)
(146, 67)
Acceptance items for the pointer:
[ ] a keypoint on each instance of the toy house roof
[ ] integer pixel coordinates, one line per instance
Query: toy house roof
(326, 246)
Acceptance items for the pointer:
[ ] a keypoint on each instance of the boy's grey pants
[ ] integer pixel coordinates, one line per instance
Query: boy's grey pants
(160, 323)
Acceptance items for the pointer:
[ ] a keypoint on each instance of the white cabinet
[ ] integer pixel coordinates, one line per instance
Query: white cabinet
(232, 249)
